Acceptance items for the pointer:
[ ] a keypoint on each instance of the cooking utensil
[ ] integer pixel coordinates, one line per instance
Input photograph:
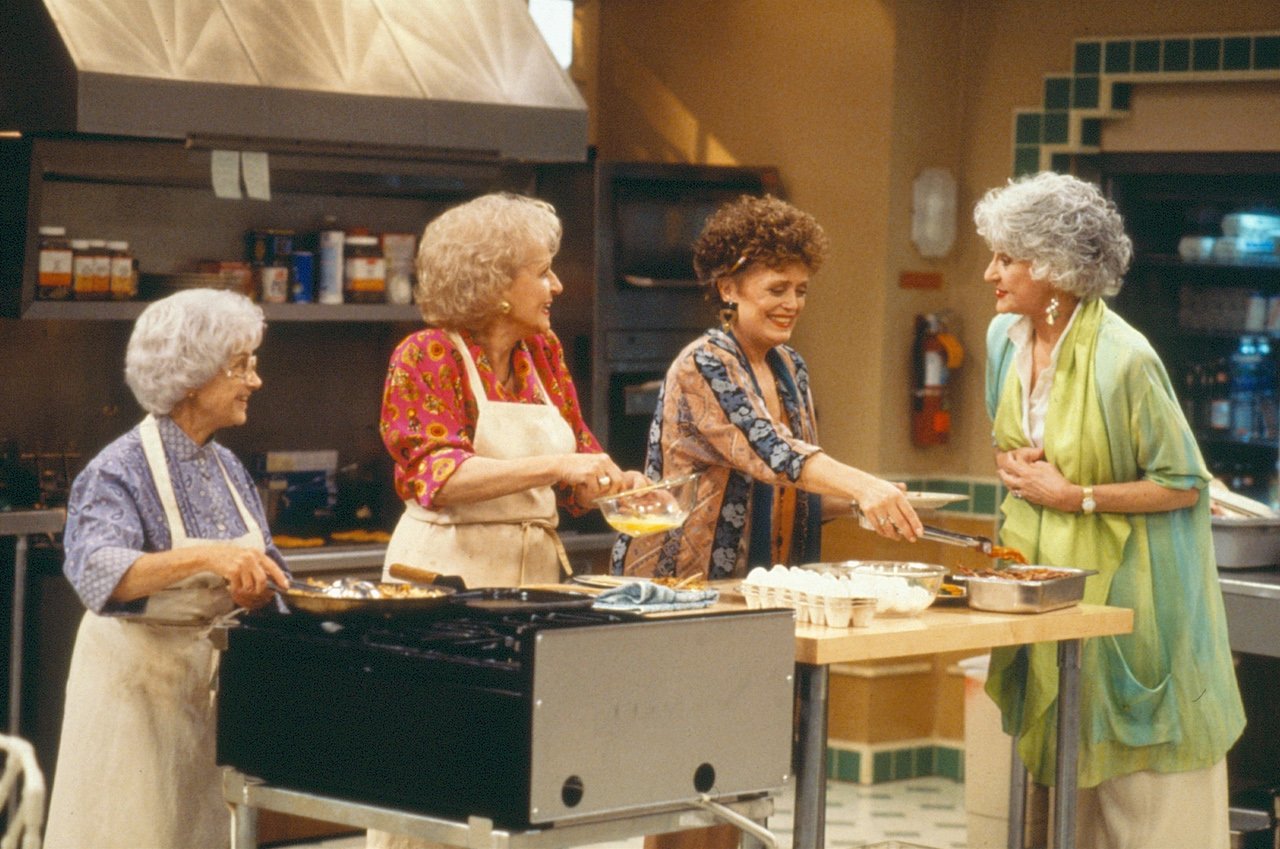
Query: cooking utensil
(977, 543)
(344, 598)
(419, 575)
(503, 600)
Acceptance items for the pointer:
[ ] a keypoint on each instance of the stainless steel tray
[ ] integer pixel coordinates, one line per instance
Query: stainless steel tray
(1011, 595)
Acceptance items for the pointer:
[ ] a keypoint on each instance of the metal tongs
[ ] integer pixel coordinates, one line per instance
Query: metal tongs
(981, 544)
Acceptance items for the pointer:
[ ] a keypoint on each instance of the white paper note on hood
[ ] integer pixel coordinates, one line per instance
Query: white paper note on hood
(257, 174)
(224, 168)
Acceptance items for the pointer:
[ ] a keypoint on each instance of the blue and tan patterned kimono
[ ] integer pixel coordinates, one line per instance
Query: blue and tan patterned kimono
(712, 418)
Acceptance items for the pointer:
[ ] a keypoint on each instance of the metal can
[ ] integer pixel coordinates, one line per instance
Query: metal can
(303, 284)
(273, 282)
(269, 247)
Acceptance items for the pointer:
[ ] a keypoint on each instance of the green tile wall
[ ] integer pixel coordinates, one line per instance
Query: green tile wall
(1100, 82)
(897, 764)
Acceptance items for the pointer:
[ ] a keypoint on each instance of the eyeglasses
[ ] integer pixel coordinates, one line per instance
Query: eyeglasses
(242, 370)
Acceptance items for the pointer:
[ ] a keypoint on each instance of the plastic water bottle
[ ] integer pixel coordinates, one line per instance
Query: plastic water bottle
(1246, 367)
(1264, 394)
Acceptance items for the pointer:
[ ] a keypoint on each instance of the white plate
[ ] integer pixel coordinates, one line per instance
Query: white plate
(934, 500)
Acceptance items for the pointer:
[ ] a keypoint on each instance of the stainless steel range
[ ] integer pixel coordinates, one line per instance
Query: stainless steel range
(527, 718)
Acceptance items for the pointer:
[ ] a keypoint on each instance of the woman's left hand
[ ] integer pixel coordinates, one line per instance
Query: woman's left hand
(1027, 475)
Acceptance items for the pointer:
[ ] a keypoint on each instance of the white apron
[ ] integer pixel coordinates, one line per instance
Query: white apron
(502, 542)
(505, 541)
(136, 761)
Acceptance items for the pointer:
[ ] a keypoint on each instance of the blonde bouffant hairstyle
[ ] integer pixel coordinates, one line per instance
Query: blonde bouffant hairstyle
(470, 254)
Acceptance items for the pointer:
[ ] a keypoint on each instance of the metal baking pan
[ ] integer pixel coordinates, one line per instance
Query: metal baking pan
(1009, 594)
(1245, 543)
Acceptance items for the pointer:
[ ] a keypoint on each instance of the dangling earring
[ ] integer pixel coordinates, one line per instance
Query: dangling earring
(727, 314)
(1051, 311)
(504, 307)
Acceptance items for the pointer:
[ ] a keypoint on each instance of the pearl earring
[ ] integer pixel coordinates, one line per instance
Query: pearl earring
(1051, 311)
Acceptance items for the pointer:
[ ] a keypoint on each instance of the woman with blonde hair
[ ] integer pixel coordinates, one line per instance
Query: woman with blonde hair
(479, 410)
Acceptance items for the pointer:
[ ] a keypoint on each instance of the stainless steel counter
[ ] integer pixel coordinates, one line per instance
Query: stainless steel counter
(1252, 599)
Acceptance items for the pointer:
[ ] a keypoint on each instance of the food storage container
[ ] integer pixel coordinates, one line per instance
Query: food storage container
(1241, 543)
(1010, 593)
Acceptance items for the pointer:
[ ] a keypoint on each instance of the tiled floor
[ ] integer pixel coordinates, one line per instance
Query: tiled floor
(922, 812)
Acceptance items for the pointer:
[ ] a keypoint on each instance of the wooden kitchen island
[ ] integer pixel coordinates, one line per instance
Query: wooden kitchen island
(941, 629)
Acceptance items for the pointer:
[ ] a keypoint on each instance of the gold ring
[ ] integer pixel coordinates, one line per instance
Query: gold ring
(604, 480)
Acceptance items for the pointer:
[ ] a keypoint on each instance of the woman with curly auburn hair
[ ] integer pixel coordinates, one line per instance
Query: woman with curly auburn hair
(1104, 472)
(735, 405)
(165, 535)
(479, 411)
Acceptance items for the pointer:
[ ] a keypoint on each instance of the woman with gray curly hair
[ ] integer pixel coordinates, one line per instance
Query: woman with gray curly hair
(165, 534)
(479, 411)
(1104, 472)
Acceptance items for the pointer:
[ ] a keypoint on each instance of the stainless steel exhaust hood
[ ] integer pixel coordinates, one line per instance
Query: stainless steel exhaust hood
(461, 75)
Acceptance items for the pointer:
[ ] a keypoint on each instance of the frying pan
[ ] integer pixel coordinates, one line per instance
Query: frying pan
(301, 598)
(503, 600)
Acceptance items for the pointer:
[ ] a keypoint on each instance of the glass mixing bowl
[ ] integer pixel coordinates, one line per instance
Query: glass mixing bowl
(650, 509)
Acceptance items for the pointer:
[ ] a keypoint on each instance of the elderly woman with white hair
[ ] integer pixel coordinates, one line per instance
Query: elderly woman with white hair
(1104, 472)
(479, 411)
(165, 534)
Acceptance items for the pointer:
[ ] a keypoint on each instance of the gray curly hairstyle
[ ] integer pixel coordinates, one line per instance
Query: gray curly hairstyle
(470, 254)
(1071, 235)
(180, 342)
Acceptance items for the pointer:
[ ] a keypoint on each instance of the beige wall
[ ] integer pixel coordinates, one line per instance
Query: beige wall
(851, 99)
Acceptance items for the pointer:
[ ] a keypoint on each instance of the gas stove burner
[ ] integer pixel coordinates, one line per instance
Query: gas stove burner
(498, 640)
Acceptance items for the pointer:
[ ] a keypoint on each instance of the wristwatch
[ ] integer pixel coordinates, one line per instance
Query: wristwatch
(1087, 504)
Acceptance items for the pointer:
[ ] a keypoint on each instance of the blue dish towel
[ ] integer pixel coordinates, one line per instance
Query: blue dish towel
(648, 597)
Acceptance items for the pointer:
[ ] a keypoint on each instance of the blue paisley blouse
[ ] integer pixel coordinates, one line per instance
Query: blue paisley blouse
(114, 514)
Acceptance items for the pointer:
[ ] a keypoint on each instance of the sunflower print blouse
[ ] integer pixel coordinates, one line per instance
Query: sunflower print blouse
(429, 414)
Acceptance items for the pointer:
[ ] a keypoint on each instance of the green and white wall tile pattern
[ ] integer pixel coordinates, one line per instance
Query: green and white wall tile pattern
(1100, 85)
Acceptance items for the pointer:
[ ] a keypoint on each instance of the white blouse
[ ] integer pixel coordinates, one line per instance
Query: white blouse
(1035, 402)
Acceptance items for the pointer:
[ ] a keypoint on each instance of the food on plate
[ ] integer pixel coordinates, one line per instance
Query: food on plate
(951, 591)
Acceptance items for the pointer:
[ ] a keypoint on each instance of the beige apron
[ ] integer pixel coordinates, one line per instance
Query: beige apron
(502, 542)
(136, 761)
(505, 541)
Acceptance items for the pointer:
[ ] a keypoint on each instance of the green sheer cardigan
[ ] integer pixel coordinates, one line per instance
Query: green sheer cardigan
(1163, 698)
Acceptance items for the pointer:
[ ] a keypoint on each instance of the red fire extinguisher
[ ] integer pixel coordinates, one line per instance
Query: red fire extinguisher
(934, 354)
